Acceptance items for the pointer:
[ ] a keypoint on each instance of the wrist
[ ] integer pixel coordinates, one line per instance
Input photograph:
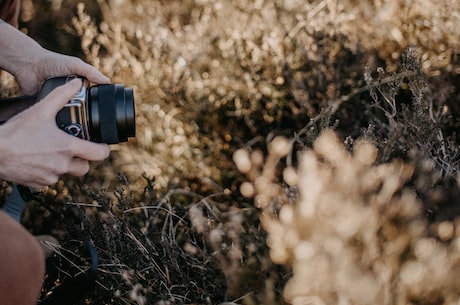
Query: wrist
(18, 52)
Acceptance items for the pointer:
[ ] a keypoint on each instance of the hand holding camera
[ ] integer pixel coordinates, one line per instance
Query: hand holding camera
(35, 145)
(100, 113)
(35, 152)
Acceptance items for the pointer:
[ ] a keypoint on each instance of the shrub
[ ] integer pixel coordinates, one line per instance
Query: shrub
(177, 220)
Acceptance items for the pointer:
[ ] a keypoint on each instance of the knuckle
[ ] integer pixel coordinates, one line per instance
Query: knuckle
(71, 146)
(74, 63)
(75, 60)
(62, 169)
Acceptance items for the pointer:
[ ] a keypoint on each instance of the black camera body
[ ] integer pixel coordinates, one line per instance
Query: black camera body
(101, 113)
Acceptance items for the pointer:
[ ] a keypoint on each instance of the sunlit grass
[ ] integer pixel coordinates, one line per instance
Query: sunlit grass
(210, 204)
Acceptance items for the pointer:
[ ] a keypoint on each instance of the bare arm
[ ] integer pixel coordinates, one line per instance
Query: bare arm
(33, 150)
(17, 49)
(31, 64)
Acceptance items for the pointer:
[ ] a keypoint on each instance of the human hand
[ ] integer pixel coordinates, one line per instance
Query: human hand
(47, 64)
(34, 152)
(31, 64)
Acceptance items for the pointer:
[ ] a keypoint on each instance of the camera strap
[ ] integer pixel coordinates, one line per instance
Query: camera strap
(17, 201)
(9, 107)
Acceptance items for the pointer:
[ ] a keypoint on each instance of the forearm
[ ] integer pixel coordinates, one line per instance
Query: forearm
(17, 50)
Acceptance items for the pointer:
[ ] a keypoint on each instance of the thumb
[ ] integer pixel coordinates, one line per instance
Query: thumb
(60, 96)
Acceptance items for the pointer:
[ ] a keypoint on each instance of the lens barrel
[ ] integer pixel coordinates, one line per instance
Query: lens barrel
(111, 114)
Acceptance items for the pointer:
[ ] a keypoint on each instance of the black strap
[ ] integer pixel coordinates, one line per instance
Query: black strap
(16, 202)
(9, 107)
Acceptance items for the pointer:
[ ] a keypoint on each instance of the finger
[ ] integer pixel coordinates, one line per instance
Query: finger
(89, 151)
(42, 181)
(78, 167)
(81, 68)
(60, 96)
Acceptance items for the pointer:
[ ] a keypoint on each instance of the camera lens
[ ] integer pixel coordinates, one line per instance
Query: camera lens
(111, 114)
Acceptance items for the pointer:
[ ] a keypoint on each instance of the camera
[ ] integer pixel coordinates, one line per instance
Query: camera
(100, 113)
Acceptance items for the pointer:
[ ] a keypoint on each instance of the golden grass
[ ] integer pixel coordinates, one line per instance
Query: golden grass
(213, 205)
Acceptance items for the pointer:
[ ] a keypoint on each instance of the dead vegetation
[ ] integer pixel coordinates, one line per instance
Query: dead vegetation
(288, 152)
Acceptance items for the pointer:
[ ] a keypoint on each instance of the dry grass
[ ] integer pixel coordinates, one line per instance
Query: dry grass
(356, 233)
(235, 188)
